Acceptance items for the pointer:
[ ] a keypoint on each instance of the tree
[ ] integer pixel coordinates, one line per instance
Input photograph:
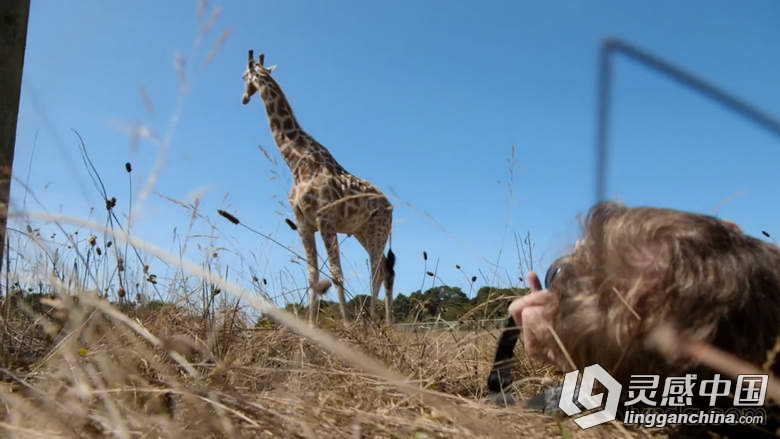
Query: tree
(493, 302)
(361, 303)
(454, 303)
(402, 308)
(446, 302)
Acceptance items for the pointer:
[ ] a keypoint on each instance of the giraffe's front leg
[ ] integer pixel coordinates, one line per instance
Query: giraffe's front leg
(310, 247)
(330, 238)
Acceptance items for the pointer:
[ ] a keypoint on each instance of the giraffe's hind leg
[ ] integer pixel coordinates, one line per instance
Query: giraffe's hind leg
(375, 261)
(373, 237)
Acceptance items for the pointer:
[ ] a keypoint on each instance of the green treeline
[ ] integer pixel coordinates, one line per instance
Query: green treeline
(441, 302)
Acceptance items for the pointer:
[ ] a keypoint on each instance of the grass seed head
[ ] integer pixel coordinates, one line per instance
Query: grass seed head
(228, 216)
(110, 203)
(291, 224)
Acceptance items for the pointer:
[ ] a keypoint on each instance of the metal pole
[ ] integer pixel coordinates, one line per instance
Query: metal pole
(13, 35)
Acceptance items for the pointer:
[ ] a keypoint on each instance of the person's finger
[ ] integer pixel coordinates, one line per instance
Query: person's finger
(516, 310)
(529, 344)
(534, 332)
(533, 299)
(533, 281)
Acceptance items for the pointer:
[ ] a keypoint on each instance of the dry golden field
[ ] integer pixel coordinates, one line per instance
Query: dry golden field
(85, 369)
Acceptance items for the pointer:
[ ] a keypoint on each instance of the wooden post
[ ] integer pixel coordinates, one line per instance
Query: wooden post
(13, 36)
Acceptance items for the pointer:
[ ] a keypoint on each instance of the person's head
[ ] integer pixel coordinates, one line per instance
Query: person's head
(636, 269)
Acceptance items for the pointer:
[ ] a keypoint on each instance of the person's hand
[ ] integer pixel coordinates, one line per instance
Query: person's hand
(535, 313)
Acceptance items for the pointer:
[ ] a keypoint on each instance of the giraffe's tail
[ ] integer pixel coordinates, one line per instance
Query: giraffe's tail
(389, 277)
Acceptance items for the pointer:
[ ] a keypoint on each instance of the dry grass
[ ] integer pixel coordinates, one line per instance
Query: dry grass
(92, 372)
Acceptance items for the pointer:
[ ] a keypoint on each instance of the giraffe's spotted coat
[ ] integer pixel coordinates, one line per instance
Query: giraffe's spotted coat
(325, 197)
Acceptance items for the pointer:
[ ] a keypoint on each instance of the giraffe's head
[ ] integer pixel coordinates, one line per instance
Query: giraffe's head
(255, 76)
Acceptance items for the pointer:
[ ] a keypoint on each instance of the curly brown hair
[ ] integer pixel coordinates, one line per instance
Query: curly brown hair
(636, 269)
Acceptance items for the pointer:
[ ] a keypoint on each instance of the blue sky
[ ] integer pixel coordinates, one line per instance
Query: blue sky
(424, 99)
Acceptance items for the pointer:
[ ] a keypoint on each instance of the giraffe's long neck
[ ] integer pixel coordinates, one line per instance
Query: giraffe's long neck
(284, 127)
(303, 155)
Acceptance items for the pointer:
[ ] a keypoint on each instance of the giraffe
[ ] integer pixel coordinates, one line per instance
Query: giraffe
(326, 198)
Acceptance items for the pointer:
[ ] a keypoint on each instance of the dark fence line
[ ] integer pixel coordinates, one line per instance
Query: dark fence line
(460, 325)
